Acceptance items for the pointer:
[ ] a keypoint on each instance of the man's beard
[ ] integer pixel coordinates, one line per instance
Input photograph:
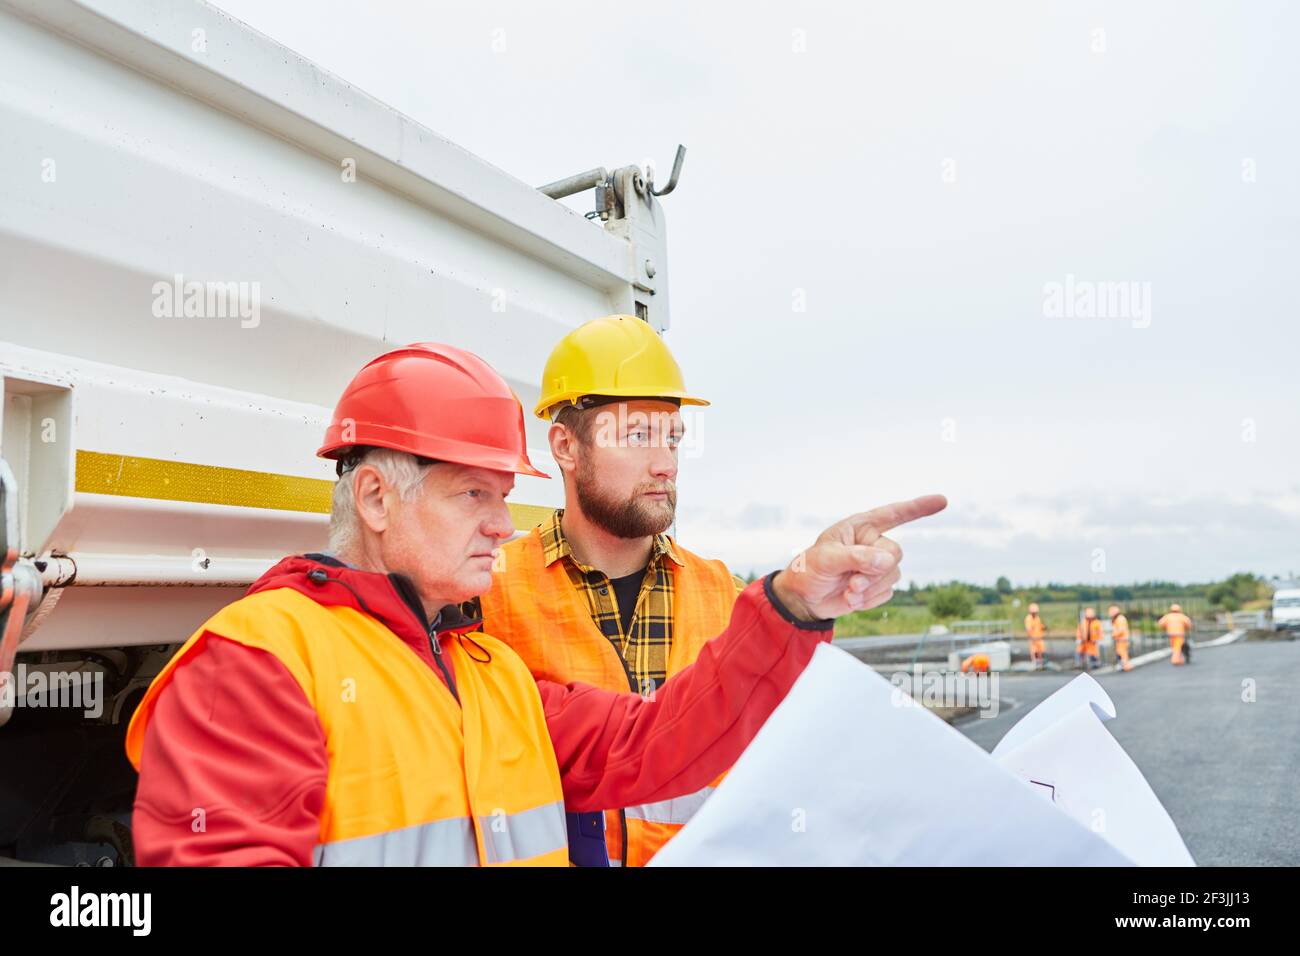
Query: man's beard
(633, 517)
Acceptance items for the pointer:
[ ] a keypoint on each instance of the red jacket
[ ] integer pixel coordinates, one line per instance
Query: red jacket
(234, 734)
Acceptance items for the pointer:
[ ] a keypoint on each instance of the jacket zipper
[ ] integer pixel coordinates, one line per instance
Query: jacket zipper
(436, 646)
(631, 683)
(402, 588)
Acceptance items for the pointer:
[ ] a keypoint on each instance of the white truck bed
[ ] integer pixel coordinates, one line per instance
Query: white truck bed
(148, 145)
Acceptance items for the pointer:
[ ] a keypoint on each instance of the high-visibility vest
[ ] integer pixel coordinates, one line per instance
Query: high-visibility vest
(1034, 627)
(1119, 629)
(1175, 623)
(1087, 636)
(537, 610)
(415, 778)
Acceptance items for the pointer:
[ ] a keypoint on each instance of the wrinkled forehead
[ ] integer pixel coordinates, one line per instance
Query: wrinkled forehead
(446, 474)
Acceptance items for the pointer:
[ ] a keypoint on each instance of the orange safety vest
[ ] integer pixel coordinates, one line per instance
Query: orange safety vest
(415, 779)
(1175, 623)
(537, 611)
(1119, 629)
(1035, 629)
(1087, 635)
(976, 662)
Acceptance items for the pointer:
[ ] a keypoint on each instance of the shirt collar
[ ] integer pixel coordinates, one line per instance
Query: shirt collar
(555, 545)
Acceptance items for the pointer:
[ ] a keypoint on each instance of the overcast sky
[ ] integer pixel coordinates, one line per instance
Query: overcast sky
(917, 176)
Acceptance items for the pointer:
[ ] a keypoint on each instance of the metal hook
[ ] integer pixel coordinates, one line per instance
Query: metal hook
(672, 180)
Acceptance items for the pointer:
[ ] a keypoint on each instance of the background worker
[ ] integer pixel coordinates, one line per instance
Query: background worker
(975, 663)
(1119, 634)
(599, 592)
(1035, 630)
(1178, 626)
(342, 713)
(1087, 638)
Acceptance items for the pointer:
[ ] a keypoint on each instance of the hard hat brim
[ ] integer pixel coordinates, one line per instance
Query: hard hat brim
(455, 453)
(543, 408)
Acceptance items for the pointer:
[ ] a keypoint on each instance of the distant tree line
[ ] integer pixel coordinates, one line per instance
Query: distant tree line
(958, 599)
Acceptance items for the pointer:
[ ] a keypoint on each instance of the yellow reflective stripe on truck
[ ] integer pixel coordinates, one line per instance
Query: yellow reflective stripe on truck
(131, 476)
(527, 517)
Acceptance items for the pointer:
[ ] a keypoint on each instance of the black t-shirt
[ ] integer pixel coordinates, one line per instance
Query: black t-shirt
(626, 591)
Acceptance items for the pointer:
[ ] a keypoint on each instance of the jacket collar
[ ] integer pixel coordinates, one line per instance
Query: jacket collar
(391, 599)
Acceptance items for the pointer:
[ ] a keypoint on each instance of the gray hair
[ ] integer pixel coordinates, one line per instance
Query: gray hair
(404, 472)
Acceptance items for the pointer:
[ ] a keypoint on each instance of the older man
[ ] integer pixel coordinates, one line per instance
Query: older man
(340, 713)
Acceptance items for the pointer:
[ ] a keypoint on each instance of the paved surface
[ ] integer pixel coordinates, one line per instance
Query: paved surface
(1228, 771)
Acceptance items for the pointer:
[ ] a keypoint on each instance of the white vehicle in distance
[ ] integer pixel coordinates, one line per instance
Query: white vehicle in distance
(1286, 609)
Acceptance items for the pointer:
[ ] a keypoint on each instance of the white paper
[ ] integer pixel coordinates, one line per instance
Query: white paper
(1063, 748)
(849, 771)
(1083, 691)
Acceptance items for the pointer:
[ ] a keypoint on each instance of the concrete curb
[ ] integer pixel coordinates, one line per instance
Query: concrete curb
(1230, 638)
(1150, 656)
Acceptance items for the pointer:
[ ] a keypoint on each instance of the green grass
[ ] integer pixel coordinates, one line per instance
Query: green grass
(1060, 616)
(904, 619)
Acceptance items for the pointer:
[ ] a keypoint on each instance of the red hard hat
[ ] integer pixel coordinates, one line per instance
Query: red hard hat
(434, 401)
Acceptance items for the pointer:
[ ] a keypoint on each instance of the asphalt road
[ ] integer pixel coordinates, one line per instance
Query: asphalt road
(1227, 770)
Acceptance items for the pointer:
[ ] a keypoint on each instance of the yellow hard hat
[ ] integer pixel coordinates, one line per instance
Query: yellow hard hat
(619, 356)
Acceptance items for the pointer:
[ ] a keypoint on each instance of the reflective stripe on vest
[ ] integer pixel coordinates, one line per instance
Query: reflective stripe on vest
(679, 810)
(411, 768)
(439, 843)
(507, 838)
(511, 837)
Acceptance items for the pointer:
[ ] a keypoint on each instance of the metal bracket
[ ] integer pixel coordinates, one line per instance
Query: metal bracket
(610, 200)
(20, 589)
(625, 204)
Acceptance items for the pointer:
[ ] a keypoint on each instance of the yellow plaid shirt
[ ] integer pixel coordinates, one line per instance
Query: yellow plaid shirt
(644, 648)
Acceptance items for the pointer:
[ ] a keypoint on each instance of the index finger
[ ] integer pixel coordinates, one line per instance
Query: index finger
(879, 520)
